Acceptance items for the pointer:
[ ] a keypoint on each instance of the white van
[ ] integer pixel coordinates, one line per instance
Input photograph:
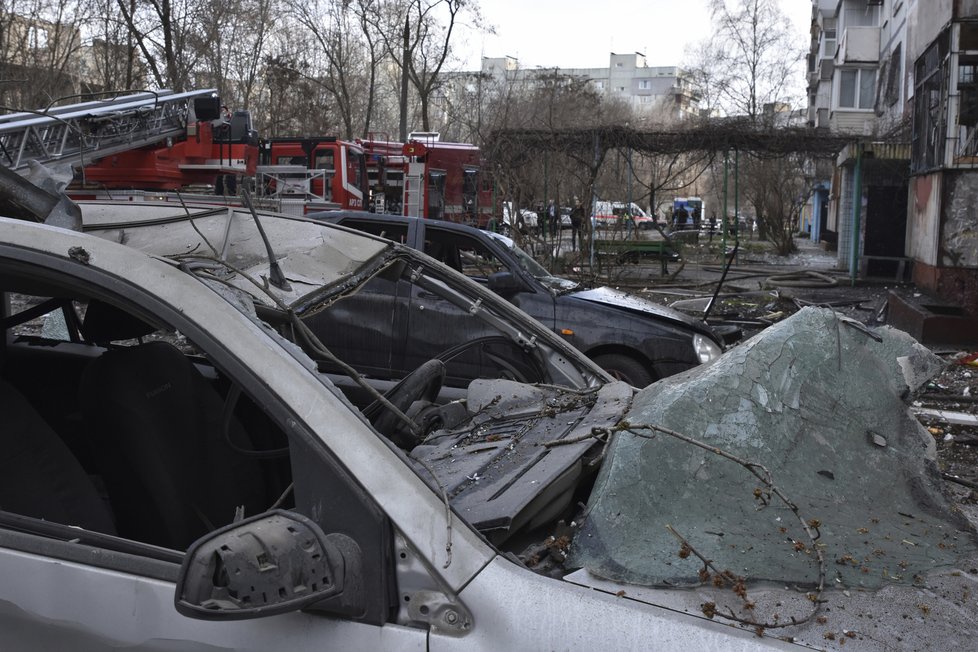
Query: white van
(616, 214)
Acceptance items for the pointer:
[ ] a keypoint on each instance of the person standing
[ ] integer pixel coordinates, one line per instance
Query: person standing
(577, 219)
(553, 218)
(681, 217)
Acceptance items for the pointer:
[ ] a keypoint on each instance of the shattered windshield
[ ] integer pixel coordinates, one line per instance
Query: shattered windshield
(794, 458)
(346, 288)
(529, 264)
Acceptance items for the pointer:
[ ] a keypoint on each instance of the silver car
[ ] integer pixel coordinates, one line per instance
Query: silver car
(187, 466)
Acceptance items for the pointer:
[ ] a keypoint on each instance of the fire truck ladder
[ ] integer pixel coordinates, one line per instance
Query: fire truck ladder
(82, 132)
(414, 190)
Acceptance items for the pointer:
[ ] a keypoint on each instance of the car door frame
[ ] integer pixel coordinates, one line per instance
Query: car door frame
(533, 299)
(50, 582)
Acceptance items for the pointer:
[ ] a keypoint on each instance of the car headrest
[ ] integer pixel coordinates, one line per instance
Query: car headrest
(106, 323)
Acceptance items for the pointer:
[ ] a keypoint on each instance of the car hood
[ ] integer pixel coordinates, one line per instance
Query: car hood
(618, 299)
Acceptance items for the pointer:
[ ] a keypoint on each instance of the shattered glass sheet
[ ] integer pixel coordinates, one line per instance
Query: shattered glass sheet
(820, 403)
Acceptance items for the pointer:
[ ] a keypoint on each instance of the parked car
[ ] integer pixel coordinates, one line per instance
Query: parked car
(166, 446)
(184, 469)
(635, 340)
(565, 217)
(526, 219)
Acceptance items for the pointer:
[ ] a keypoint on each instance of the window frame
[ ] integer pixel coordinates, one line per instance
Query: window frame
(857, 90)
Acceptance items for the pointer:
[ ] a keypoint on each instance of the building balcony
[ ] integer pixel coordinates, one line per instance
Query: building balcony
(859, 45)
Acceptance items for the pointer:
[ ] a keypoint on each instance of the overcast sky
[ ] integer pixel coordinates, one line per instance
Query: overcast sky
(582, 33)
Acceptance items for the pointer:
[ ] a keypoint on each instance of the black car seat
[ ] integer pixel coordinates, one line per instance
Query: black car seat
(39, 477)
(159, 429)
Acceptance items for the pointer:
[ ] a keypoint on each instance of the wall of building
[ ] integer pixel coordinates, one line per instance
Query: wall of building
(926, 19)
(959, 232)
(923, 231)
(844, 218)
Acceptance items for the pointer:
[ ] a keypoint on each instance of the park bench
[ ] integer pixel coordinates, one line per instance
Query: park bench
(632, 251)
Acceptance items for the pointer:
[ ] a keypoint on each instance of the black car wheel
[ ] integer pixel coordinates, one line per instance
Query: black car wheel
(624, 368)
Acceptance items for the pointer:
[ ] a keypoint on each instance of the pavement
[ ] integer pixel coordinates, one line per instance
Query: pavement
(760, 287)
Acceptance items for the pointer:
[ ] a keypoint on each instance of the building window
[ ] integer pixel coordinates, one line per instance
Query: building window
(893, 77)
(599, 85)
(619, 65)
(966, 74)
(857, 88)
(644, 84)
(828, 44)
(929, 135)
(38, 37)
(862, 16)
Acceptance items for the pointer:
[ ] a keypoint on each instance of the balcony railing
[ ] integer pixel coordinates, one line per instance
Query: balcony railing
(859, 45)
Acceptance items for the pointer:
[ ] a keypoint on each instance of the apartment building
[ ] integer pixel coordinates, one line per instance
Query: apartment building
(661, 90)
(857, 84)
(900, 76)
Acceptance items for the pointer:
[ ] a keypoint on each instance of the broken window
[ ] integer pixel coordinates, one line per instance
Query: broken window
(966, 138)
(893, 82)
(816, 406)
(930, 106)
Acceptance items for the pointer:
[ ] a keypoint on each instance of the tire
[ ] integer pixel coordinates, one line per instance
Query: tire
(624, 368)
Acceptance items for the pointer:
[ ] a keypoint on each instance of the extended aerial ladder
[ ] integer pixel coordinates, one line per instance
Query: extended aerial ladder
(79, 133)
(148, 140)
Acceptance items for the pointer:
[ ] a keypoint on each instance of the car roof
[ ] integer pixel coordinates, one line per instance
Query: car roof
(336, 216)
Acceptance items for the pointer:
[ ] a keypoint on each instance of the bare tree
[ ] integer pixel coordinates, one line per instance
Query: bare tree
(170, 36)
(777, 188)
(749, 68)
(114, 59)
(417, 36)
(39, 44)
(546, 167)
(237, 34)
(749, 60)
(347, 62)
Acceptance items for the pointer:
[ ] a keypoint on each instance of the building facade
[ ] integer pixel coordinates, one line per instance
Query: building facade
(857, 85)
(943, 220)
(900, 76)
(660, 90)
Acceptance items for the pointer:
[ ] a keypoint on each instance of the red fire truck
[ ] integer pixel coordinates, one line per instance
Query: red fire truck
(423, 177)
(426, 177)
(321, 172)
(214, 147)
